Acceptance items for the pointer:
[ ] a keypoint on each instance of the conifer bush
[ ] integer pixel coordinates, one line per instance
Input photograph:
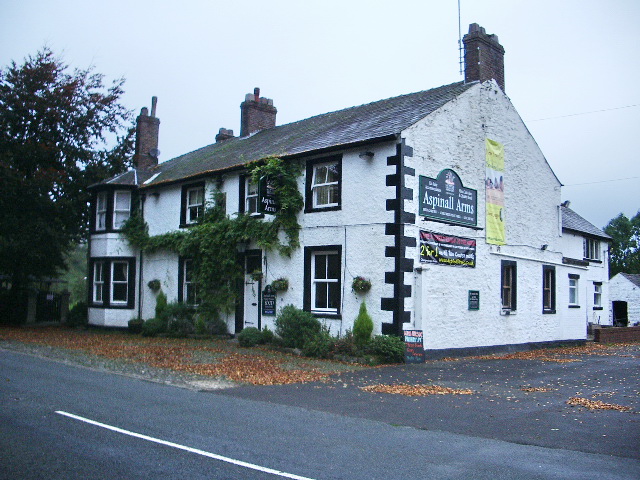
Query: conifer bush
(363, 326)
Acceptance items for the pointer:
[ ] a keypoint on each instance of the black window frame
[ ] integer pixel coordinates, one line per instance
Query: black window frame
(106, 285)
(549, 284)
(183, 202)
(308, 196)
(309, 252)
(110, 193)
(509, 266)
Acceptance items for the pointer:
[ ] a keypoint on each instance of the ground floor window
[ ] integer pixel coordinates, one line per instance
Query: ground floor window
(509, 279)
(186, 279)
(573, 290)
(548, 289)
(323, 285)
(113, 282)
(597, 295)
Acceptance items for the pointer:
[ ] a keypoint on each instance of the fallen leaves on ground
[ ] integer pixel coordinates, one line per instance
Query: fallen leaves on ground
(212, 358)
(536, 389)
(596, 404)
(415, 390)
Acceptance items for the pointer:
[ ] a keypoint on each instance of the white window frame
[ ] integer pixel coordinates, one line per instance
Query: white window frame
(251, 197)
(119, 282)
(197, 206)
(316, 186)
(574, 291)
(591, 249)
(597, 295)
(315, 281)
(101, 211)
(123, 212)
(187, 283)
(98, 282)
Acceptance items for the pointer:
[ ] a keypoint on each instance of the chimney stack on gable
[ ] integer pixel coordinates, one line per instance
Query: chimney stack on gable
(146, 152)
(257, 113)
(483, 56)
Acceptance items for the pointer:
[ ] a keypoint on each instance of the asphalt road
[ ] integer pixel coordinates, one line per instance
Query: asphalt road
(169, 432)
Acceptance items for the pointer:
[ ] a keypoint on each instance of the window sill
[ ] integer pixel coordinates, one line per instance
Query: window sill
(548, 312)
(322, 209)
(592, 260)
(331, 316)
(102, 306)
(598, 308)
(574, 306)
(507, 312)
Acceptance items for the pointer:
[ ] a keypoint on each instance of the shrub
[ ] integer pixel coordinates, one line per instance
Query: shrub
(387, 348)
(267, 335)
(346, 345)
(217, 326)
(295, 326)
(78, 315)
(200, 325)
(363, 326)
(153, 327)
(319, 345)
(250, 337)
(135, 325)
(161, 305)
(180, 319)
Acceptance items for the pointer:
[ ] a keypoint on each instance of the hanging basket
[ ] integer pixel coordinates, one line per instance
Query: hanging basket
(361, 285)
(280, 285)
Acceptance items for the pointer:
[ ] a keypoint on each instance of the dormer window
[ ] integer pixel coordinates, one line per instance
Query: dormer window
(192, 204)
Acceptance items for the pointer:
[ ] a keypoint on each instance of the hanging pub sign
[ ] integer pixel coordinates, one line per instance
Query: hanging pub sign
(447, 250)
(268, 301)
(444, 199)
(267, 200)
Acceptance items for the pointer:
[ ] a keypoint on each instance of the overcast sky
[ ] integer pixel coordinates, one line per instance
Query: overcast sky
(564, 61)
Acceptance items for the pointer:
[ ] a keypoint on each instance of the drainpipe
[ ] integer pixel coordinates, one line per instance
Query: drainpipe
(143, 197)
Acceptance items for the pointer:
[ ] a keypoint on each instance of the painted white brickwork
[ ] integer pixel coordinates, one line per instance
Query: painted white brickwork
(623, 290)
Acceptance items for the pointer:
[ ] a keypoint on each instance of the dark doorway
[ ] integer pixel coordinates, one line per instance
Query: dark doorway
(620, 315)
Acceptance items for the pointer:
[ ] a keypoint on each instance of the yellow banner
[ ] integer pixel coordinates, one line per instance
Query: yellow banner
(494, 187)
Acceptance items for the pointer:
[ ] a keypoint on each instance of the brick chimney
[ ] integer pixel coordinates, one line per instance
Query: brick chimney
(257, 113)
(483, 56)
(224, 134)
(146, 152)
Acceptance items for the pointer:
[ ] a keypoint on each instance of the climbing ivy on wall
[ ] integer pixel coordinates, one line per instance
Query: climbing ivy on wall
(212, 242)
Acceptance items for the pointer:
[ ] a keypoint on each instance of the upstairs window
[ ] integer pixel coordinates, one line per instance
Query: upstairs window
(192, 204)
(324, 184)
(112, 208)
(121, 208)
(101, 211)
(251, 197)
(509, 281)
(591, 249)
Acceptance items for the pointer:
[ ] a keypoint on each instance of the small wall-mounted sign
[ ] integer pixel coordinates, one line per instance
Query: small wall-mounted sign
(414, 346)
(269, 301)
(474, 299)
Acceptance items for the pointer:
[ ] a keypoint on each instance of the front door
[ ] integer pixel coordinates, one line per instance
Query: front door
(252, 289)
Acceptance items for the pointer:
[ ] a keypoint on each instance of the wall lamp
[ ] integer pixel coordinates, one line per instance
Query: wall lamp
(544, 247)
(565, 204)
(366, 156)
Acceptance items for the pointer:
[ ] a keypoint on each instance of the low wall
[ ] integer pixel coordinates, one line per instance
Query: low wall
(617, 334)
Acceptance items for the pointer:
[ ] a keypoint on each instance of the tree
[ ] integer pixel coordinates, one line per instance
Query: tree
(57, 131)
(625, 246)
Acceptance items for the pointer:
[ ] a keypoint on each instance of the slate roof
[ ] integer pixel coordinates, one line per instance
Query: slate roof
(572, 221)
(374, 121)
(633, 278)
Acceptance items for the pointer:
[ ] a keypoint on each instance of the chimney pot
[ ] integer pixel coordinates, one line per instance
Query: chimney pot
(154, 102)
(224, 134)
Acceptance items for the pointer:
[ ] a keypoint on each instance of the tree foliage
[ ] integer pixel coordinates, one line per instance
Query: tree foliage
(625, 246)
(57, 131)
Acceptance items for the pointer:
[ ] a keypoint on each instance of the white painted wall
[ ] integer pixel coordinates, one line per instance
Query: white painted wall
(624, 290)
(453, 137)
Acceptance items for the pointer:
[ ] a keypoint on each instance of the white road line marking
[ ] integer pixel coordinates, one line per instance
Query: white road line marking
(187, 449)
